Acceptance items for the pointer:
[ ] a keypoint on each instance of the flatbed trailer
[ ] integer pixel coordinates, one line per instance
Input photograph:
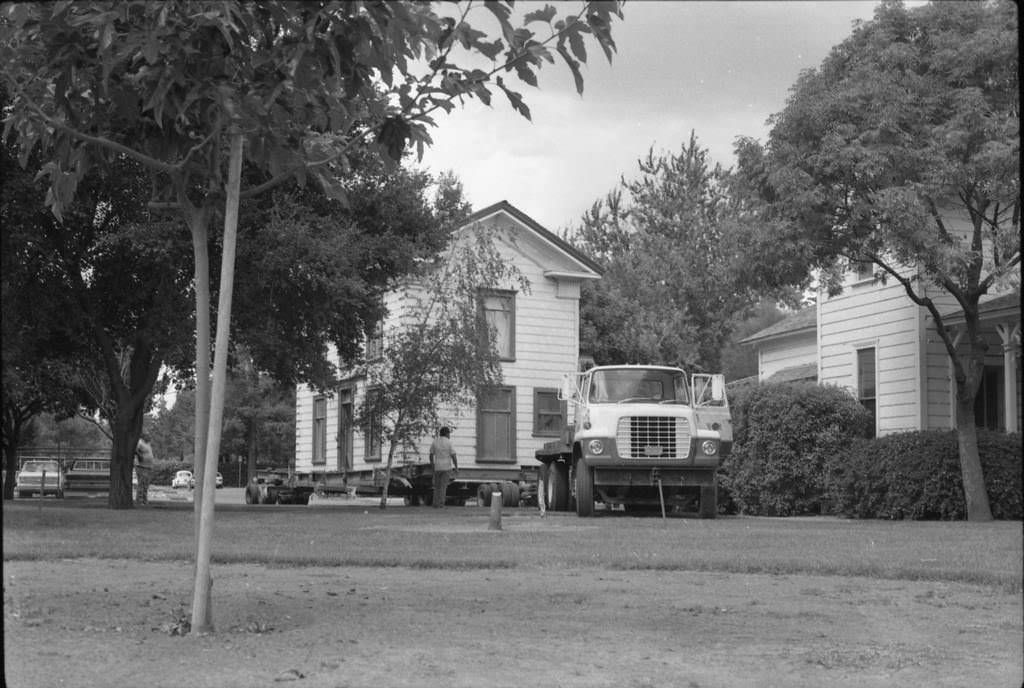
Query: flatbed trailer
(414, 483)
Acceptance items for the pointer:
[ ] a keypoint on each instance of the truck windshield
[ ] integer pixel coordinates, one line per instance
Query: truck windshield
(618, 386)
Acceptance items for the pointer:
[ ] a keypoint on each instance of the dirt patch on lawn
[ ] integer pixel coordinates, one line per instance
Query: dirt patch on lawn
(111, 623)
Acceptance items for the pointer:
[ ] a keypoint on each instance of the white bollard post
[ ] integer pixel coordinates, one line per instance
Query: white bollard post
(495, 523)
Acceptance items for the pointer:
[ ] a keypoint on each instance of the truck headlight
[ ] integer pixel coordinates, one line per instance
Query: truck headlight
(596, 446)
(709, 447)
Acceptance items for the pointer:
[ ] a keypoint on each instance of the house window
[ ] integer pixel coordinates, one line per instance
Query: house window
(866, 384)
(499, 310)
(375, 341)
(865, 270)
(548, 413)
(374, 428)
(496, 423)
(319, 431)
(345, 435)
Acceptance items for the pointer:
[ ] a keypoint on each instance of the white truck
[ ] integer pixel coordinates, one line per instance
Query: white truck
(640, 437)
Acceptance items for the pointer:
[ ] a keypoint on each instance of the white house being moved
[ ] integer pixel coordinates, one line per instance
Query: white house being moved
(538, 341)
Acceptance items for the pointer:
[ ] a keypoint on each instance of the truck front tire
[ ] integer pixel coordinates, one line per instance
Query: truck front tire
(556, 487)
(584, 490)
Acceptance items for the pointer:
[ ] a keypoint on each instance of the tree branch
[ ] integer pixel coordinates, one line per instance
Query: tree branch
(96, 140)
(929, 305)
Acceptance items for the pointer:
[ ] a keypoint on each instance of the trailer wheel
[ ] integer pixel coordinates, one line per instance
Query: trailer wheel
(483, 494)
(584, 490)
(556, 487)
(509, 494)
(708, 501)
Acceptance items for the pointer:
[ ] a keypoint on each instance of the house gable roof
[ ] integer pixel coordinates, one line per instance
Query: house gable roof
(583, 267)
(802, 322)
(807, 372)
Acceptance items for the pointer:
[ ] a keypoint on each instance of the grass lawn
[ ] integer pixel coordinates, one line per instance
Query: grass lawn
(459, 539)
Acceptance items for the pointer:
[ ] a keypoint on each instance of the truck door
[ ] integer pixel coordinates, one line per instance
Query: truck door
(711, 405)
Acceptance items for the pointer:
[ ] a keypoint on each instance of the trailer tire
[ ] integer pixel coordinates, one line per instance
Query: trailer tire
(556, 487)
(509, 494)
(584, 490)
(708, 501)
(483, 495)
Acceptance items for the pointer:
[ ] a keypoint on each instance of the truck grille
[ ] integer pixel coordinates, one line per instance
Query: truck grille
(653, 437)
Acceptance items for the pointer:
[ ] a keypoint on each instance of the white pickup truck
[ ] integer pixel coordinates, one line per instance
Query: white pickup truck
(39, 476)
(641, 437)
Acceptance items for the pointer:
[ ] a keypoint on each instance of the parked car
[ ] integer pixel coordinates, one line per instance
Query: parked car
(275, 487)
(29, 480)
(183, 479)
(88, 475)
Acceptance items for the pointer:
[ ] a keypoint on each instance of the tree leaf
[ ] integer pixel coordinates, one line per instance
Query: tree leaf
(542, 15)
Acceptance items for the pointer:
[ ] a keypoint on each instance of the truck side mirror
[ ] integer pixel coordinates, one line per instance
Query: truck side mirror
(567, 392)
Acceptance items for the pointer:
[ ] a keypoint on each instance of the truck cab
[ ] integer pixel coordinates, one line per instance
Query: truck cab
(641, 437)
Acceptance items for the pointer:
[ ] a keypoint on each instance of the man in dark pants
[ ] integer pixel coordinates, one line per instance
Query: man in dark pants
(143, 469)
(442, 458)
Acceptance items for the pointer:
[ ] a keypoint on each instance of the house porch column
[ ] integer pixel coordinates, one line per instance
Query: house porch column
(1010, 334)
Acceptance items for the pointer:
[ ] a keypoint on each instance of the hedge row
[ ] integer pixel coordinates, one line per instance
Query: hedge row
(805, 449)
(916, 475)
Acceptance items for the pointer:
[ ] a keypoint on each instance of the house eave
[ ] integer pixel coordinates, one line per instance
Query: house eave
(780, 335)
(565, 275)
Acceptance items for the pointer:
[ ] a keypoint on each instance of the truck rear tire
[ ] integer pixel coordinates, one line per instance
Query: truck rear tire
(556, 487)
(584, 490)
(708, 501)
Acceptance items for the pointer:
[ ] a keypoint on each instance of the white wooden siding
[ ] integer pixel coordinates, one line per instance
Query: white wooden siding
(872, 315)
(786, 353)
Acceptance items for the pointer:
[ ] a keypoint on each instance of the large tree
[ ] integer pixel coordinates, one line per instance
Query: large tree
(94, 306)
(670, 242)
(191, 89)
(903, 149)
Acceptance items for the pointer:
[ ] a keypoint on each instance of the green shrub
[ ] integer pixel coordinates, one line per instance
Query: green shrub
(785, 435)
(916, 475)
(163, 471)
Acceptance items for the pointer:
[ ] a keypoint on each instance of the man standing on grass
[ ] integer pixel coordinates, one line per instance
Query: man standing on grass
(143, 469)
(442, 458)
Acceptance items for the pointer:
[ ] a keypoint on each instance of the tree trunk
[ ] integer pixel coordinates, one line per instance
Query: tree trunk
(968, 381)
(125, 429)
(387, 476)
(198, 219)
(198, 223)
(11, 454)
(975, 494)
(202, 621)
(15, 418)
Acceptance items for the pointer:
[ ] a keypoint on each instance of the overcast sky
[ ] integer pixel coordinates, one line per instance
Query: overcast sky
(717, 68)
